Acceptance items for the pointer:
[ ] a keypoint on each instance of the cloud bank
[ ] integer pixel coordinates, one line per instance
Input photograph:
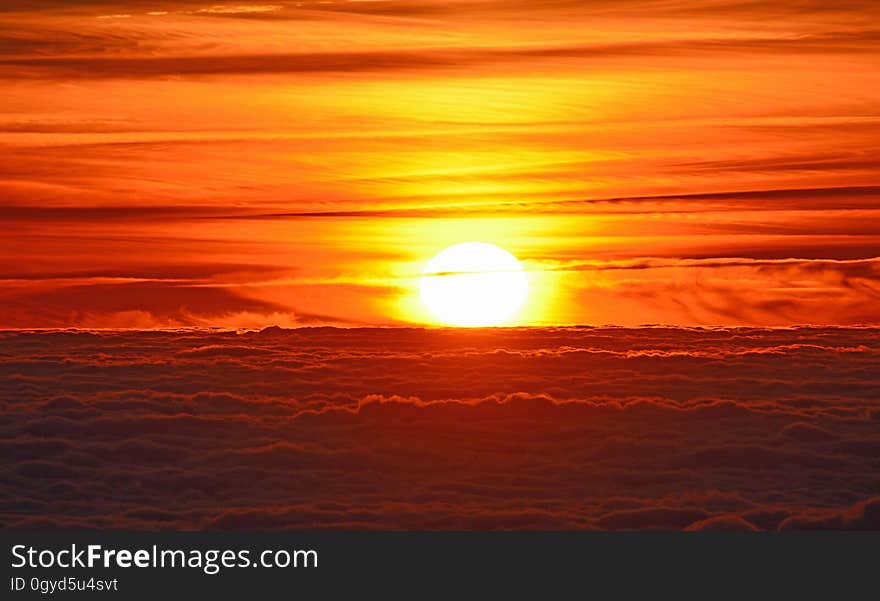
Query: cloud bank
(554, 428)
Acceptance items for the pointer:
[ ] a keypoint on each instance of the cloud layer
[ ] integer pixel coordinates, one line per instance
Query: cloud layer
(558, 428)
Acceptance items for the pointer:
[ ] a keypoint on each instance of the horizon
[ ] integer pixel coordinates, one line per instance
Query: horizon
(452, 328)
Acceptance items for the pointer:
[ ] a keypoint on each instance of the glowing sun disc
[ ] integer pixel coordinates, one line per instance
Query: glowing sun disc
(473, 284)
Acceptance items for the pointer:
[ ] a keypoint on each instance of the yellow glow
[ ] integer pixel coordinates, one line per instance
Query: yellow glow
(473, 284)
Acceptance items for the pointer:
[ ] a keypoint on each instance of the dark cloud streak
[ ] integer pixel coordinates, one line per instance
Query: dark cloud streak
(103, 67)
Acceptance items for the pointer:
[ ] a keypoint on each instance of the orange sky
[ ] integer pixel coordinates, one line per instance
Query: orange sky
(242, 165)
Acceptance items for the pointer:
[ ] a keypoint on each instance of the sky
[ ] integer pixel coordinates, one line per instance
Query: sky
(179, 163)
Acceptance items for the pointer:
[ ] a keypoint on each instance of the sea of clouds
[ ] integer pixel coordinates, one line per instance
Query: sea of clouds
(533, 428)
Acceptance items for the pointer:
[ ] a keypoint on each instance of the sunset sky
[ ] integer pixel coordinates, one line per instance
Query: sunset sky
(249, 168)
(297, 163)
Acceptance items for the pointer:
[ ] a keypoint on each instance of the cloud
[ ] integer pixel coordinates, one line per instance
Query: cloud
(723, 523)
(662, 518)
(708, 291)
(861, 516)
(136, 67)
(130, 304)
(830, 198)
(553, 428)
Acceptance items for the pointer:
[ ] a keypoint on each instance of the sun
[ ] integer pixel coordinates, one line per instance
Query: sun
(473, 284)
